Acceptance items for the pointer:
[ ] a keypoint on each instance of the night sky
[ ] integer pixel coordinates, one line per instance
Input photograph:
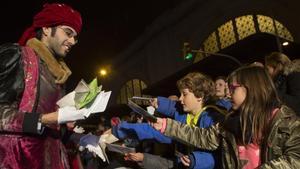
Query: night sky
(109, 27)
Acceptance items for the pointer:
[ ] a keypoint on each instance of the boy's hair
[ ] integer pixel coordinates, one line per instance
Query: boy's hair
(201, 85)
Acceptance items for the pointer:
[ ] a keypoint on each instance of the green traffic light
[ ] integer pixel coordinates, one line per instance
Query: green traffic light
(188, 56)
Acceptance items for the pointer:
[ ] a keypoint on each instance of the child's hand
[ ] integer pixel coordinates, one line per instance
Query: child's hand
(158, 125)
(185, 160)
(137, 157)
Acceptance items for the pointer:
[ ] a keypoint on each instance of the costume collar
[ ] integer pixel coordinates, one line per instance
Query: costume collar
(58, 68)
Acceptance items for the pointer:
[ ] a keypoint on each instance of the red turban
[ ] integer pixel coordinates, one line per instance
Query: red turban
(53, 15)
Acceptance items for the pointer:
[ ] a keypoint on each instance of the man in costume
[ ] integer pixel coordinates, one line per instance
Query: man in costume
(31, 77)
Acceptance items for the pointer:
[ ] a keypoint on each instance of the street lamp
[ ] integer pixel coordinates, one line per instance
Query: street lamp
(103, 72)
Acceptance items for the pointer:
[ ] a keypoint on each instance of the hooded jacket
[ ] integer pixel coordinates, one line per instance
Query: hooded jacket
(288, 86)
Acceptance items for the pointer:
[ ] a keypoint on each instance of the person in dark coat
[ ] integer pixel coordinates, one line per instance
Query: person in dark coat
(286, 76)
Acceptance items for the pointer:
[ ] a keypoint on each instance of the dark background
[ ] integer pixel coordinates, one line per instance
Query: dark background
(108, 28)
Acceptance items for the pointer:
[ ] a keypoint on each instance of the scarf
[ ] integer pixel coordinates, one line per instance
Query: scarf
(58, 68)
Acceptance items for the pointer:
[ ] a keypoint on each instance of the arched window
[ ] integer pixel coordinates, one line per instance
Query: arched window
(239, 28)
(131, 88)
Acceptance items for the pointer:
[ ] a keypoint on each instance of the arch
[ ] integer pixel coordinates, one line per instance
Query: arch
(131, 88)
(239, 28)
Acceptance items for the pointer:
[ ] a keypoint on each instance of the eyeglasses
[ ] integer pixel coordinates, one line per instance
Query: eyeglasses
(232, 87)
(69, 33)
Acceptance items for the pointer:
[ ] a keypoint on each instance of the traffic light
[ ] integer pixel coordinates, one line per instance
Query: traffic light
(188, 56)
(187, 51)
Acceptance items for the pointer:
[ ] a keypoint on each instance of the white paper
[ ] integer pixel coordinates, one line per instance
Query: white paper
(81, 90)
(78, 129)
(104, 139)
(67, 100)
(151, 110)
(82, 87)
(99, 104)
(108, 138)
(98, 151)
(142, 98)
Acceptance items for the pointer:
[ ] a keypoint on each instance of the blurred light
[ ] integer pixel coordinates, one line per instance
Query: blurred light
(285, 43)
(103, 72)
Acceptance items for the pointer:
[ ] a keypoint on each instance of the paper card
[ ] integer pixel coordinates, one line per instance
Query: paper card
(136, 108)
(74, 97)
(104, 140)
(82, 87)
(99, 104)
(98, 151)
(120, 149)
(178, 154)
(86, 98)
(108, 138)
(83, 95)
(151, 110)
(67, 100)
(142, 98)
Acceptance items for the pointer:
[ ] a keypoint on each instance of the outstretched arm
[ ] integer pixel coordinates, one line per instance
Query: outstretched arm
(142, 131)
(204, 138)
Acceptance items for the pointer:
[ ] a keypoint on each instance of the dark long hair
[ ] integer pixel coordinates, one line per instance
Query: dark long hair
(261, 99)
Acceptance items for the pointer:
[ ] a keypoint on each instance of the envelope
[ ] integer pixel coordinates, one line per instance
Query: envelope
(84, 94)
(88, 96)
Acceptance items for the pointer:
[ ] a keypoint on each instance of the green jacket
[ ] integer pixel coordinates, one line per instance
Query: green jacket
(281, 149)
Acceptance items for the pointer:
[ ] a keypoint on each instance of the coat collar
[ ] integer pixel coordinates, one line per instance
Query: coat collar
(294, 66)
(58, 68)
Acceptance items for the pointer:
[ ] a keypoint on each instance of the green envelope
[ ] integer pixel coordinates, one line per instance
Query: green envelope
(88, 97)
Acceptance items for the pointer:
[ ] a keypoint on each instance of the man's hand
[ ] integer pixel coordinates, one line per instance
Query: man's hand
(69, 114)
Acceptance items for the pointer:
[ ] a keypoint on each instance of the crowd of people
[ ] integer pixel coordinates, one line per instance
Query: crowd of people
(249, 119)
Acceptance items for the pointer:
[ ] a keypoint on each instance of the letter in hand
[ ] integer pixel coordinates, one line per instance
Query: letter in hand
(158, 125)
(89, 139)
(153, 102)
(91, 142)
(69, 114)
